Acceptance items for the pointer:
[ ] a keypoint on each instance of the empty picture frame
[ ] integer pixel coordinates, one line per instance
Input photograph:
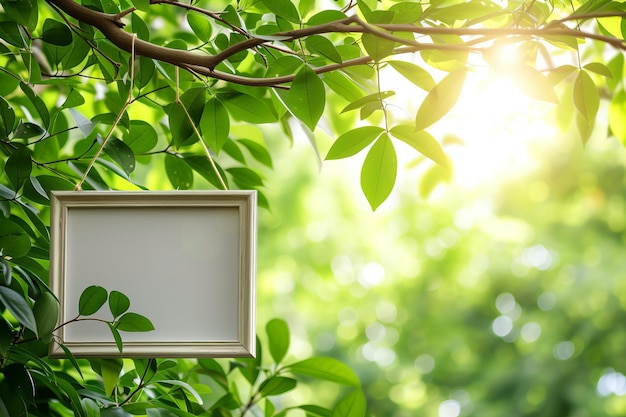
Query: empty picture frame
(185, 259)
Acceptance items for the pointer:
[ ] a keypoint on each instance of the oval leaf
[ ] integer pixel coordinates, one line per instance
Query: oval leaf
(277, 385)
(118, 303)
(440, 99)
(56, 33)
(46, 312)
(121, 154)
(352, 405)
(414, 73)
(328, 369)
(18, 167)
(278, 336)
(91, 299)
(178, 172)
(378, 174)
(14, 241)
(18, 307)
(353, 141)
(586, 96)
(423, 142)
(215, 124)
(200, 26)
(307, 97)
(133, 322)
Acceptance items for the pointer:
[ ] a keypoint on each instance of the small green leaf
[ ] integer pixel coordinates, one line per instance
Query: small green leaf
(378, 174)
(258, 151)
(200, 25)
(245, 177)
(283, 8)
(24, 12)
(440, 99)
(46, 312)
(215, 124)
(91, 299)
(7, 118)
(20, 380)
(414, 73)
(353, 141)
(178, 172)
(248, 108)
(143, 5)
(599, 68)
(141, 137)
(277, 385)
(14, 241)
(376, 47)
(110, 371)
(7, 273)
(376, 97)
(423, 142)
(72, 359)
(307, 97)
(7, 335)
(352, 405)
(121, 153)
(74, 99)
(13, 34)
(323, 46)
(586, 96)
(434, 176)
(133, 322)
(278, 336)
(118, 303)
(56, 33)
(325, 368)
(38, 103)
(117, 337)
(18, 167)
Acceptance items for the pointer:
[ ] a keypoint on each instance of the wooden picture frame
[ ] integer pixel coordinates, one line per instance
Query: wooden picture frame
(185, 259)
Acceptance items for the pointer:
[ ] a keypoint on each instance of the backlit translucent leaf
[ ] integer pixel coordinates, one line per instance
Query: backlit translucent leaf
(353, 141)
(440, 99)
(534, 84)
(110, 371)
(248, 108)
(376, 47)
(278, 337)
(434, 176)
(17, 306)
(342, 85)
(200, 25)
(178, 172)
(423, 142)
(215, 124)
(133, 322)
(599, 68)
(325, 368)
(283, 8)
(414, 73)
(586, 96)
(357, 104)
(324, 47)
(91, 299)
(378, 174)
(307, 97)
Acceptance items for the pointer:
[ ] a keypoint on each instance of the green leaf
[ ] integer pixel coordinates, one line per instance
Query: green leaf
(200, 25)
(307, 97)
(283, 8)
(116, 337)
(38, 103)
(599, 68)
(110, 371)
(121, 154)
(118, 303)
(352, 405)
(7, 335)
(586, 96)
(617, 110)
(185, 386)
(24, 12)
(376, 47)
(14, 241)
(258, 151)
(18, 167)
(323, 46)
(20, 380)
(342, 85)
(203, 166)
(7, 273)
(142, 5)
(248, 108)
(7, 119)
(178, 172)
(353, 141)
(18, 307)
(414, 73)
(278, 337)
(115, 411)
(245, 178)
(370, 98)
(141, 137)
(133, 322)
(277, 385)
(215, 124)
(325, 368)
(72, 359)
(74, 99)
(378, 174)
(46, 312)
(434, 176)
(423, 142)
(440, 99)
(27, 130)
(91, 299)
(56, 33)
(13, 34)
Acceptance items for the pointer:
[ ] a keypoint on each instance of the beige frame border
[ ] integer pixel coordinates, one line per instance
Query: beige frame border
(244, 201)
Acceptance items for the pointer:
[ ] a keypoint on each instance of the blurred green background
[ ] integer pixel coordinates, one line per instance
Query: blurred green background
(505, 298)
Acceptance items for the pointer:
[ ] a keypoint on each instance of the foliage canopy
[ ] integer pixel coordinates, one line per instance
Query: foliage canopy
(122, 94)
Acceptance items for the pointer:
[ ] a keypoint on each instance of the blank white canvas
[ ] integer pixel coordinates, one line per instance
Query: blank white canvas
(179, 267)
